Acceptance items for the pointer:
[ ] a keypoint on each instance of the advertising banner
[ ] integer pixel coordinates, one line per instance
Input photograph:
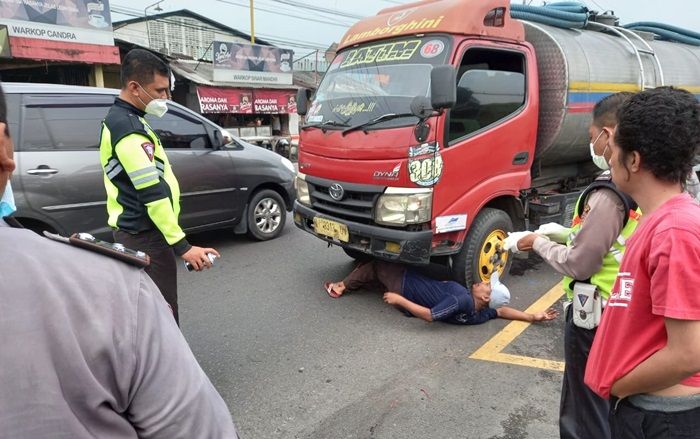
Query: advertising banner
(73, 21)
(246, 101)
(252, 63)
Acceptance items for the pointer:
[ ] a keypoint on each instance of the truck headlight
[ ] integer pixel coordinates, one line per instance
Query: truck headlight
(401, 206)
(302, 188)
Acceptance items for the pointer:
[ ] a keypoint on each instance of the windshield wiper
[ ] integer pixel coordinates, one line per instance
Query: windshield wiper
(326, 124)
(376, 120)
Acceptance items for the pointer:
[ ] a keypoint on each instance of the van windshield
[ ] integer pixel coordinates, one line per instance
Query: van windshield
(372, 80)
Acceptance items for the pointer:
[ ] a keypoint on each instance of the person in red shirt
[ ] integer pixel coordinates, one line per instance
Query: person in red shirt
(646, 355)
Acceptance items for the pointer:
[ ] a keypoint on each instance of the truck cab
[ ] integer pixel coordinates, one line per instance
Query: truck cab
(388, 172)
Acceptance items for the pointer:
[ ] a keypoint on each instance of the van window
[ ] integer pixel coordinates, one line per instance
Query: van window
(177, 130)
(490, 87)
(64, 127)
(12, 101)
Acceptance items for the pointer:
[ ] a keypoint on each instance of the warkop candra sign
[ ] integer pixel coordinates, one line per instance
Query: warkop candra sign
(72, 21)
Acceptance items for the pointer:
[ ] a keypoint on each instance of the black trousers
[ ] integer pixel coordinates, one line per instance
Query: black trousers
(630, 422)
(163, 268)
(582, 413)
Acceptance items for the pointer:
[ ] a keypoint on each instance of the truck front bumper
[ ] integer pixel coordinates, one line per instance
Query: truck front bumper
(411, 247)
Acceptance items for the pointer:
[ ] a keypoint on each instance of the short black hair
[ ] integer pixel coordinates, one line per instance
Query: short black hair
(605, 110)
(663, 126)
(141, 65)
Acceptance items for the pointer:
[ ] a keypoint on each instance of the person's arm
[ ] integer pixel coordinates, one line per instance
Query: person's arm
(170, 396)
(416, 310)
(508, 313)
(672, 265)
(601, 227)
(676, 361)
(152, 191)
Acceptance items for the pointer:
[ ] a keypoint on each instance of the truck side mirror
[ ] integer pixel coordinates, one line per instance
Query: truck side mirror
(443, 87)
(303, 101)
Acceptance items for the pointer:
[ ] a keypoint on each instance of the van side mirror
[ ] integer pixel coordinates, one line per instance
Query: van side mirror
(443, 87)
(303, 101)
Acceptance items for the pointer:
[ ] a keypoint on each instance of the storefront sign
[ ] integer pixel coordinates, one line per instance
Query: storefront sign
(252, 63)
(246, 101)
(74, 21)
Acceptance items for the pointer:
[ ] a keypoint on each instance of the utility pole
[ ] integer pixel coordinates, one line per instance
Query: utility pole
(252, 23)
(316, 69)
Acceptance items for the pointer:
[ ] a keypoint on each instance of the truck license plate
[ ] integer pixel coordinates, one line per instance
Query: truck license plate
(331, 229)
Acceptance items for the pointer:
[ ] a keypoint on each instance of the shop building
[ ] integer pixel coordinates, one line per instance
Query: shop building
(246, 88)
(67, 42)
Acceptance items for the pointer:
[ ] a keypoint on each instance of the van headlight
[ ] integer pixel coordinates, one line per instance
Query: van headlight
(288, 164)
(401, 206)
(302, 188)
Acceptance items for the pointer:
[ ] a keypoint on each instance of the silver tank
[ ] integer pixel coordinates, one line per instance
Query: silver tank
(596, 63)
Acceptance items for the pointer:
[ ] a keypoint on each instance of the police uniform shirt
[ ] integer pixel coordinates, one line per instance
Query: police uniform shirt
(142, 191)
(89, 348)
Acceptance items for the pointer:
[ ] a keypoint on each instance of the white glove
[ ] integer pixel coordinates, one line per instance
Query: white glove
(555, 232)
(511, 242)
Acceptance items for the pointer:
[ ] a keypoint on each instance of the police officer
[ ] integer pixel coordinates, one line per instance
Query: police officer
(603, 219)
(143, 197)
(89, 347)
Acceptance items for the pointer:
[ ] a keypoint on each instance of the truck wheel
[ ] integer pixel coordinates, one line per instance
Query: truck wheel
(483, 248)
(266, 215)
(357, 255)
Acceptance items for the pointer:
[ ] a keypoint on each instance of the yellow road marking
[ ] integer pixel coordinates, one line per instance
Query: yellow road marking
(492, 349)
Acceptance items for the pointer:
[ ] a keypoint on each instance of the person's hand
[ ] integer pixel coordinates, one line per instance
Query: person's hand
(197, 257)
(526, 242)
(392, 298)
(548, 314)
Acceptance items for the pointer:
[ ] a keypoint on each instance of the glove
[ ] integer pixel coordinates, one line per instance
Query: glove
(555, 232)
(511, 242)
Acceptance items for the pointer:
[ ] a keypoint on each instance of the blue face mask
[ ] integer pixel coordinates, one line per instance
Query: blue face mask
(7, 203)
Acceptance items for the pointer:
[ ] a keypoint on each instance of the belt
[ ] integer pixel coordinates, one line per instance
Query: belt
(667, 404)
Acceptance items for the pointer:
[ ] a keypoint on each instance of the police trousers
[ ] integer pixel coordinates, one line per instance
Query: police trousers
(163, 267)
(582, 413)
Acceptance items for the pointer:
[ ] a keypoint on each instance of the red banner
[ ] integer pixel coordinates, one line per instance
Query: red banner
(246, 101)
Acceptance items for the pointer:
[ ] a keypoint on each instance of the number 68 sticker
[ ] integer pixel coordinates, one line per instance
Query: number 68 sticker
(432, 49)
(427, 171)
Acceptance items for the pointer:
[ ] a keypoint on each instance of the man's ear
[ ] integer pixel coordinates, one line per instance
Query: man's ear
(133, 88)
(635, 161)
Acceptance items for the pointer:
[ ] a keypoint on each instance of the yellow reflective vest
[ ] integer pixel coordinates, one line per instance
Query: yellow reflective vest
(142, 191)
(604, 279)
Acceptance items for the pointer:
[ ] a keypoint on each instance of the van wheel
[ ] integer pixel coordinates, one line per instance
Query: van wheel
(357, 255)
(267, 215)
(483, 249)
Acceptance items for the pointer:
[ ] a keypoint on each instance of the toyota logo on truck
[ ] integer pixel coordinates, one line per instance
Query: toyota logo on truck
(336, 191)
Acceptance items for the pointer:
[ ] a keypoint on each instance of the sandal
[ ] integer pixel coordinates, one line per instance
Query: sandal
(328, 286)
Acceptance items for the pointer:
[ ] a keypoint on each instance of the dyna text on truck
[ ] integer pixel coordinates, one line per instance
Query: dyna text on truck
(442, 125)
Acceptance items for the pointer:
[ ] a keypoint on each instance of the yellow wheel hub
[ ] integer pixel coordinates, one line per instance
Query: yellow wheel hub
(492, 254)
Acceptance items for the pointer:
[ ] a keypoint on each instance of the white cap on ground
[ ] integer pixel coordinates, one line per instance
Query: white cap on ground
(500, 295)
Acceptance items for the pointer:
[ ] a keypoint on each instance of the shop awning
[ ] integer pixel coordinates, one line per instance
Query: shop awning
(246, 100)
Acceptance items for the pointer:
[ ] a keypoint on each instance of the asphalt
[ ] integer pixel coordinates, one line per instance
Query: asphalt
(291, 362)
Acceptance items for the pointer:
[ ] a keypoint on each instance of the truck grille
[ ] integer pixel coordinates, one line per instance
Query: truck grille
(357, 203)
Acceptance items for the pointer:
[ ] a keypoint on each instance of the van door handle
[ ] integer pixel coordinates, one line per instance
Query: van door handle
(42, 170)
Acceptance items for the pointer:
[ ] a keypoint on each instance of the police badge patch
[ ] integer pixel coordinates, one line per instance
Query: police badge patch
(149, 149)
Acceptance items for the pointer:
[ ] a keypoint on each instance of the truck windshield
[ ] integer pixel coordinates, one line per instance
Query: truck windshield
(366, 82)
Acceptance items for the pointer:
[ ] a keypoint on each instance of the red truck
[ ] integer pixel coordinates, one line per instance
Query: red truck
(443, 125)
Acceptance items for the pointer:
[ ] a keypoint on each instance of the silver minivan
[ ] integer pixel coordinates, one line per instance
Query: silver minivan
(58, 183)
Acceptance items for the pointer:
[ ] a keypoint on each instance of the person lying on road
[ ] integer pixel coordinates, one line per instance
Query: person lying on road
(430, 299)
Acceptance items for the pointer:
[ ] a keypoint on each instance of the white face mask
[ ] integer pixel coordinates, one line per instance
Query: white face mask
(157, 107)
(599, 160)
